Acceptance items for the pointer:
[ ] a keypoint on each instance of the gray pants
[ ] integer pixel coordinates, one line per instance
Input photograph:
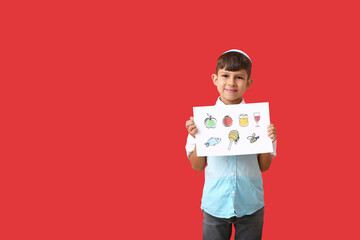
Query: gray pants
(248, 227)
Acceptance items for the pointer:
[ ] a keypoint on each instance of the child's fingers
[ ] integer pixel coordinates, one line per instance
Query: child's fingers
(190, 121)
(191, 128)
(272, 132)
(273, 137)
(271, 126)
(271, 129)
(189, 124)
(193, 132)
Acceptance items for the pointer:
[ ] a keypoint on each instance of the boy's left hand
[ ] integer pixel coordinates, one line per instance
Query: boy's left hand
(272, 132)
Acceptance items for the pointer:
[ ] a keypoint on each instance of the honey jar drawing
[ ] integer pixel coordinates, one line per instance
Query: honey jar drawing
(244, 121)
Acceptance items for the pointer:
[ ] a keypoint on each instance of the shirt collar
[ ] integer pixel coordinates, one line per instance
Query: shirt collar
(220, 103)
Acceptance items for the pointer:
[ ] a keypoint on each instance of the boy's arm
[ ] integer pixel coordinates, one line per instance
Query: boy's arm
(197, 163)
(265, 159)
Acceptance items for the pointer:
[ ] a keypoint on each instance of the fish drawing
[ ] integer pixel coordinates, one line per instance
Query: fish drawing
(212, 141)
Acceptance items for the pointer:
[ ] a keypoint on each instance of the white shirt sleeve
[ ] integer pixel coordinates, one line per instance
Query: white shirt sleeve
(273, 154)
(190, 145)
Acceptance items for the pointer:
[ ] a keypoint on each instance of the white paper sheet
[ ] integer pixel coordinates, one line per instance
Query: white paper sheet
(232, 129)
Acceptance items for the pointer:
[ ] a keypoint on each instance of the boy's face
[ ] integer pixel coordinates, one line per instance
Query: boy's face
(231, 85)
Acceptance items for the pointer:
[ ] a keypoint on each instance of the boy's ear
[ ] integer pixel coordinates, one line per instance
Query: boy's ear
(249, 83)
(214, 78)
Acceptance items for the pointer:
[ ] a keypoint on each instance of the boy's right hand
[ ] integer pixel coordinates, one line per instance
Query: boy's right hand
(190, 126)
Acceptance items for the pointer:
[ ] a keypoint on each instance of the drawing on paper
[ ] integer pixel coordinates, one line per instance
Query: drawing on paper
(253, 138)
(257, 118)
(227, 121)
(212, 141)
(244, 121)
(233, 137)
(231, 130)
(210, 122)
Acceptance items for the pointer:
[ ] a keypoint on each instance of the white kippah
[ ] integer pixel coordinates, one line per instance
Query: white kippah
(238, 51)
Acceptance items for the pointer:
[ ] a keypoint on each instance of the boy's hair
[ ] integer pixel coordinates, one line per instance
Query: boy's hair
(234, 61)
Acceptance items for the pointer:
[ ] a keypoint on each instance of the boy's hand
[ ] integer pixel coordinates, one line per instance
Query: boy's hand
(272, 132)
(190, 126)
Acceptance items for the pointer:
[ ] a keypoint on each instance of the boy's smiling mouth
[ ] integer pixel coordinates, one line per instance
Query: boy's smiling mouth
(230, 90)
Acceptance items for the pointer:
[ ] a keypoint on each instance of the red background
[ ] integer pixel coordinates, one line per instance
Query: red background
(95, 95)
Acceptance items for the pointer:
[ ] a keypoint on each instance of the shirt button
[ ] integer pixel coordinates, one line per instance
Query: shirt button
(232, 174)
(233, 192)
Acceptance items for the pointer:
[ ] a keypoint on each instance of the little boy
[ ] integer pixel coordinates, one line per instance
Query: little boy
(233, 189)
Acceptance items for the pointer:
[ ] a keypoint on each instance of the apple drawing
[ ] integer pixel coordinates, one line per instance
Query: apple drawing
(210, 122)
(227, 121)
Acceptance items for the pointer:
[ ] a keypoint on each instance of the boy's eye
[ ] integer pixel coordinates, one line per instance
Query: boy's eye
(225, 75)
(239, 77)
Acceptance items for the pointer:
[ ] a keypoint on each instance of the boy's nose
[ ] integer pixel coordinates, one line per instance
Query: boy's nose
(231, 81)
